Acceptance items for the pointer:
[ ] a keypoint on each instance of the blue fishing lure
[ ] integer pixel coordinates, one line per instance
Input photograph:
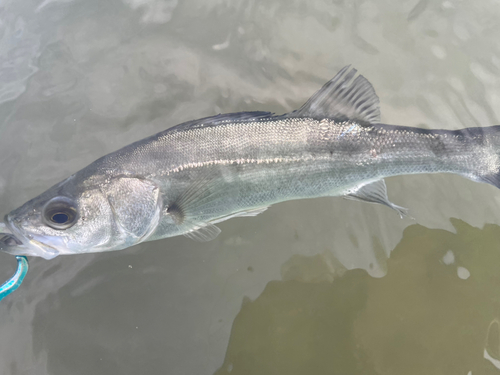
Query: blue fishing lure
(15, 281)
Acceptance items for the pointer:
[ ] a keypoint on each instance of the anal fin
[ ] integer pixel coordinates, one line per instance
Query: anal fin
(375, 192)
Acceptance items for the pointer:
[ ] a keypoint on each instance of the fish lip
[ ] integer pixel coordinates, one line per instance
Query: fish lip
(15, 231)
(30, 246)
(12, 230)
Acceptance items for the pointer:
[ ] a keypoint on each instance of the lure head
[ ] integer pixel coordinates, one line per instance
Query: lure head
(82, 215)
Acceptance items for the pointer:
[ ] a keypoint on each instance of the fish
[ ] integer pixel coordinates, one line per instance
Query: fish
(190, 177)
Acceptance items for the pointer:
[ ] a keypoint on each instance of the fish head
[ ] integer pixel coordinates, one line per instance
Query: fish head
(63, 220)
(79, 217)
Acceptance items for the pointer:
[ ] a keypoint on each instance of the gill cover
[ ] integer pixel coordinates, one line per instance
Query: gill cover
(135, 204)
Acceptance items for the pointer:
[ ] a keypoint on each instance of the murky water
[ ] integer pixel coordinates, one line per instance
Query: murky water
(323, 286)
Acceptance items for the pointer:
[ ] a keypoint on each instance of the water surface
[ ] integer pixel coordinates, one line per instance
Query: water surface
(324, 286)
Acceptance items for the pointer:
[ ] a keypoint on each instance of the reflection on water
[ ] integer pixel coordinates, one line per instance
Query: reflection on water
(18, 51)
(421, 318)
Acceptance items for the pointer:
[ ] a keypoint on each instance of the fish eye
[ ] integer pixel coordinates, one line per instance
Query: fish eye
(59, 218)
(60, 213)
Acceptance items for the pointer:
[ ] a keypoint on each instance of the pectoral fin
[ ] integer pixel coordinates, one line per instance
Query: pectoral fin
(193, 210)
(375, 192)
(246, 213)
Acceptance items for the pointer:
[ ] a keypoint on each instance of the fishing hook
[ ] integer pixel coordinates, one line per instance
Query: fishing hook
(15, 281)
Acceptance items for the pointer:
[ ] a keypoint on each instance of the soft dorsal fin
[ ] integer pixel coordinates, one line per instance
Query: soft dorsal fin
(343, 98)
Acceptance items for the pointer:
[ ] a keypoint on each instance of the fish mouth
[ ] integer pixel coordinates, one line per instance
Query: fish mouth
(11, 240)
(16, 242)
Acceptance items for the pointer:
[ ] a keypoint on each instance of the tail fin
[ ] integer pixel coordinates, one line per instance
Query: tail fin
(485, 146)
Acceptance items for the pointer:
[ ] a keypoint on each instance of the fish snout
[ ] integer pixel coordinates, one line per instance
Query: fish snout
(8, 240)
(11, 244)
(14, 240)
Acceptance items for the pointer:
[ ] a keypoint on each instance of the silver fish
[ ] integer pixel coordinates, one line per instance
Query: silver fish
(188, 178)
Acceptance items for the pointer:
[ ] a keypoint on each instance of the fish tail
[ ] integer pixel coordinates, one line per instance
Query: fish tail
(485, 155)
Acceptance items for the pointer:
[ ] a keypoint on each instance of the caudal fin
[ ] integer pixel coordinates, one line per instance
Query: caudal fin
(484, 153)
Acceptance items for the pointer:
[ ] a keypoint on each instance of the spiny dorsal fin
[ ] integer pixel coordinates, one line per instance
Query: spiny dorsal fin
(343, 99)
(220, 119)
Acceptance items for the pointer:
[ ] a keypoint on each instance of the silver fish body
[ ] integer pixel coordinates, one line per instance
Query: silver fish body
(190, 177)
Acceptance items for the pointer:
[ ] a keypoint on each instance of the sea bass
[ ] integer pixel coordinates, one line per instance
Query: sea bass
(186, 179)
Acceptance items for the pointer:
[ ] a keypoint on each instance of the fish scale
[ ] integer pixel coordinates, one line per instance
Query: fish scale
(190, 177)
